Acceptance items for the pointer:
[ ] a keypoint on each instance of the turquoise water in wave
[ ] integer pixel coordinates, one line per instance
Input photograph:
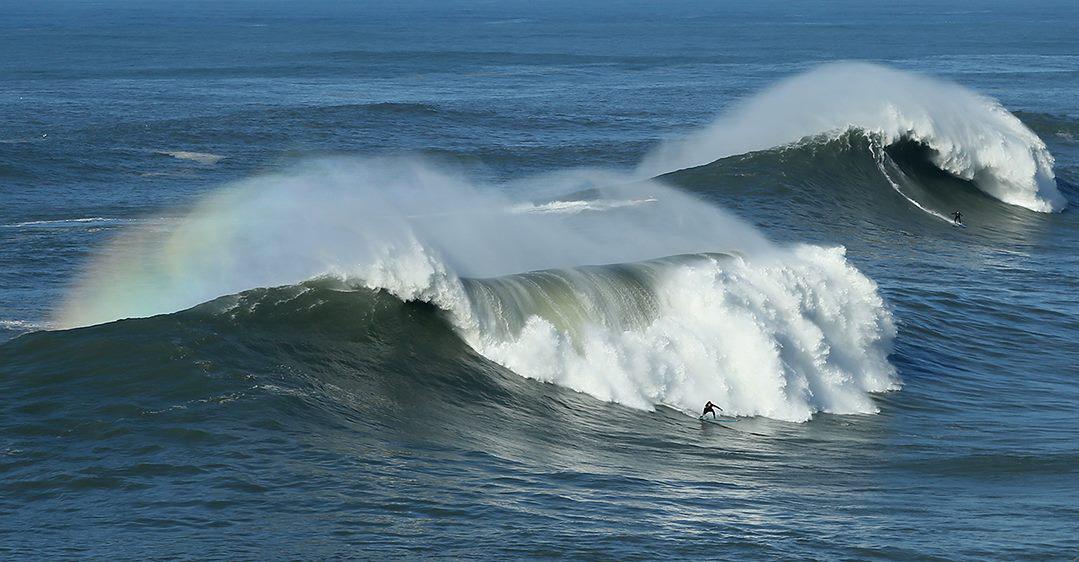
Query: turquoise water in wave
(315, 421)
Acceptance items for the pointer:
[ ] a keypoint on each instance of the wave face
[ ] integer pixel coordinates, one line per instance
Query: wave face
(761, 329)
(835, 186)
(969, 136)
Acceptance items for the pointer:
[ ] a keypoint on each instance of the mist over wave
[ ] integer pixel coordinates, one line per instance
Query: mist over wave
(694, 303)
(968, 135)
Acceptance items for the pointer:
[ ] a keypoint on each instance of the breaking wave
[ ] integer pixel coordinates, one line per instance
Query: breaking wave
(785, 337)
(968, 135)
(694, 304)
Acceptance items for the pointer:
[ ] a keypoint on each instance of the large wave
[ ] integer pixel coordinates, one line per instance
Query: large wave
(695, 305)
(968, 135)
(639, 294)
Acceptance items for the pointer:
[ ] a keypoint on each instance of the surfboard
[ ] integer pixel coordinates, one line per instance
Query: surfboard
(717, 420)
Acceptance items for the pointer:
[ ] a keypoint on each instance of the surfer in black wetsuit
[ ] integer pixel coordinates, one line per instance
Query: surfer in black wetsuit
(710, 407)
(957, 218)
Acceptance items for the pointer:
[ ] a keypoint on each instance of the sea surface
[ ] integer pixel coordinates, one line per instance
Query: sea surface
(452, 280)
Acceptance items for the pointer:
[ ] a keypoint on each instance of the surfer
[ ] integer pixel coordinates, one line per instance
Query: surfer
(957, 218)
(710, 407)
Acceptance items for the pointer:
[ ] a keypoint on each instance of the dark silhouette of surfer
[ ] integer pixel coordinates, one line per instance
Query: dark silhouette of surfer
(957, 217)
(710, 407)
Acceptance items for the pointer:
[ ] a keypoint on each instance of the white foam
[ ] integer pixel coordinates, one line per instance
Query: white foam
(578, 206)
(62, 222)
(22, 325)
(200, 157)
(971, 136)
(86, 222)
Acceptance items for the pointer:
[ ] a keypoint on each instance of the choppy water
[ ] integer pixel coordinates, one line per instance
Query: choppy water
(399, 285)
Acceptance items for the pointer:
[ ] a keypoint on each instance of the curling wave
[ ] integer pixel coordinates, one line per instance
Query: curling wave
(969, 136)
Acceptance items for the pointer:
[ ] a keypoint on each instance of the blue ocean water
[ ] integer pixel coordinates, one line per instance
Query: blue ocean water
(439, 313)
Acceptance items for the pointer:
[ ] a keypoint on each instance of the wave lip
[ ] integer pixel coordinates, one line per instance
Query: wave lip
(969, 136)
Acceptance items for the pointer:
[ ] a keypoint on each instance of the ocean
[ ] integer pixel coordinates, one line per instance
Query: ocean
(453, 280)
